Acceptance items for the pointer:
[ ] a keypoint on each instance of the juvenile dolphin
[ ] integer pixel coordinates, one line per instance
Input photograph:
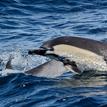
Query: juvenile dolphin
(80, 54)
(50, 69)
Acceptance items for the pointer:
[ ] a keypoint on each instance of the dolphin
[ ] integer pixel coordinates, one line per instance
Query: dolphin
(76, 53)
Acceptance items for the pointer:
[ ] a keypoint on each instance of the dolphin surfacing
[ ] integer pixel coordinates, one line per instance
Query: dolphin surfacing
(69, 53)
(50, 69)
(87, 54)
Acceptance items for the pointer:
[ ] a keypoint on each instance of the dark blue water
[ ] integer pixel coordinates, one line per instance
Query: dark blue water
(26, 24)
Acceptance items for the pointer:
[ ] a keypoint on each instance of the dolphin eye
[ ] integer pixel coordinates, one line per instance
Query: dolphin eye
(66, 61)
(73, 63)
(51, 49)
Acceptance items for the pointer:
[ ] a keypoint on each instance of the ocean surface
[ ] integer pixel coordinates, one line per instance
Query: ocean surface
(26, 24)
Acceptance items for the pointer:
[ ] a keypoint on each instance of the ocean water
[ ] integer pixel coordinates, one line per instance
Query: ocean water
(26, 24)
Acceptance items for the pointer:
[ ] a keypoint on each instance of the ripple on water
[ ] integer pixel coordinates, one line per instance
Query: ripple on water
(26, 24)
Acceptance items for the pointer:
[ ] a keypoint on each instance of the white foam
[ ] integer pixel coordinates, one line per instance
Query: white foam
(10, 71)
(21, 62)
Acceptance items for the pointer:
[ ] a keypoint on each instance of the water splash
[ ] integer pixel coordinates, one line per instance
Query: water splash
(20, 62)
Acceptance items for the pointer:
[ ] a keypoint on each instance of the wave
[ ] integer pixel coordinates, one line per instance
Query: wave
(22, 90)
(24, 7)
(20, 62)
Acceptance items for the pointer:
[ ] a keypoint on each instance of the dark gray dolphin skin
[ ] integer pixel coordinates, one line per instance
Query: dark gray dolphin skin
(8, 64)
(97, 47)
(76, 53)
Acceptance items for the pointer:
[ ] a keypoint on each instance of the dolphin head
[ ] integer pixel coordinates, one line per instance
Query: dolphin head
(48, 52)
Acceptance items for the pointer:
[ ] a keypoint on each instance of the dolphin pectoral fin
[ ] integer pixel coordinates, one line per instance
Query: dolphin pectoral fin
(75, 67)
(49, 69)
(71, 66)
(105, 59)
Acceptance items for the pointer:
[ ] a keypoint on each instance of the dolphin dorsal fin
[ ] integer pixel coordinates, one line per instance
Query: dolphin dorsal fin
(8, 64)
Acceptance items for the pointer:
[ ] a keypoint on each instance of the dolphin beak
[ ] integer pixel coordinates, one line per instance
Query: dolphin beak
(39, 51)
(46, 52)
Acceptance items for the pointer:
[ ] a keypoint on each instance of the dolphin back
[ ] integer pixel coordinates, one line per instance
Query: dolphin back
(49, 69)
